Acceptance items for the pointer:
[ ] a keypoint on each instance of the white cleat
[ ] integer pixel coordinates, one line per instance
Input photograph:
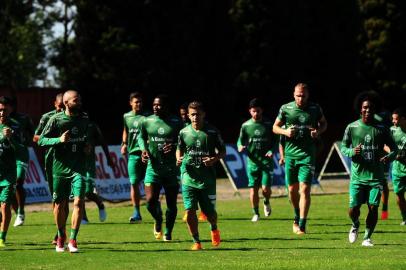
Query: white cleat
(255, 218)
(73, 247)
(353, 235)
(102, 215)
(60, 245)
(367, 243)
(403, 223)
(267, 209)
(19, 220)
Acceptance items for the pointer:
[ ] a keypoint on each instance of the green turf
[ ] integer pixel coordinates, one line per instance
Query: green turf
(267, 244)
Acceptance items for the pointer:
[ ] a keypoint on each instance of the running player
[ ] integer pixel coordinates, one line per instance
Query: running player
(8, 168)
(158, 140)
(257, 138)
(27, 131)
(364, 142)
(130, 146)
(399, 165)
(304, 122)
(67, 133)
(95, 137)
(196, 153)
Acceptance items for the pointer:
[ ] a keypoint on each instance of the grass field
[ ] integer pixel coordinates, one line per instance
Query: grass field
(268, 244)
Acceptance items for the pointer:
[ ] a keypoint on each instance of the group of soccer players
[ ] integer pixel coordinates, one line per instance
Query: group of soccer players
(162, 148)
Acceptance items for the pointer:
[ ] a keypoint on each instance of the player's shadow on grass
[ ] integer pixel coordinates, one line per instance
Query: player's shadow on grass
(249, 219)
(244, 239)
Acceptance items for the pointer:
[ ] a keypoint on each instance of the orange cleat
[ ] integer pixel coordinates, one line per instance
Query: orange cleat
(184, 219)
(196, 246)
(384, 215)
(215, 238)
(202, 217)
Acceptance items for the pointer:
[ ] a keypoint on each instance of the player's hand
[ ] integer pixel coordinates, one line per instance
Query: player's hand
(269, 155)
(290, 132)
(167, 148)
(209, 161)
(241, 148)
(65, 137)
(123, 150)
(314, 133)
(281, 161)
(357, 150)
(179, 161)
(145, 156)
(384, 159)
(7, 132)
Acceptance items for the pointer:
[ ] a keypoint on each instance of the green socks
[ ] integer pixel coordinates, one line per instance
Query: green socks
(213, 227)
(297, 215)
(302, 224)
(255, 211)
(3, 235)
(196, 238)
(73, 233)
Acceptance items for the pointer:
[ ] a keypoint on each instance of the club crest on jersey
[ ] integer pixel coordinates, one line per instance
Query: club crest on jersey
(257, 132)
(367, 138)
(135, 123)
(161, 131)
(75, 130)
(302, 118)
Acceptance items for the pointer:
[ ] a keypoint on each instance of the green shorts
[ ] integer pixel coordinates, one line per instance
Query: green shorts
(136, 169)
(21, 171)
(7, 193)
(259, 176)
(361, 193)
(89, 183)
(165, 177)
(399, 184)
(64, 187)
(299, 170)
(206, 198)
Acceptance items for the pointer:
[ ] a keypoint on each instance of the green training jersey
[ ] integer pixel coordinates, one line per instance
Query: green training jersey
(26, 125)
(69, 157)
(399, 165)
(43, 121)
(302, 144)
(8, 168)
(197, 144)
(367, 167)
(155, 133)
(132, 125)
(259, 139)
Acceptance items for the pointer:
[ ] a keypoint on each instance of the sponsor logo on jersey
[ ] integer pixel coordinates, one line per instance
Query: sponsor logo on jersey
(161, 131)
(367, 138)
(75, 131)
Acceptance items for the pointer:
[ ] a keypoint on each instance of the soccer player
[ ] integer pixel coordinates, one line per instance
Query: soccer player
(67, 133)
(183, 113)
(27, 131)
(49, 152)
(304, 122)
(130, 146)
(158, 140)
(8, 168)
(257, 138)
(95, 137)
(364, 142)
(399, 165)
(196, 153)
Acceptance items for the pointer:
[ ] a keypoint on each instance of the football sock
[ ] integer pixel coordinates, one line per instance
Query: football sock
(74, 233)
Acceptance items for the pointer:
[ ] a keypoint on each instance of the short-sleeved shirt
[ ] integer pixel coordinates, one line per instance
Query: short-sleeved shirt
(259, 139)
(196, 144)
(7, 159)
(69, 157)
(132, 125)
(399, 165)
(155, 133)
(302, 144)
(366, 168)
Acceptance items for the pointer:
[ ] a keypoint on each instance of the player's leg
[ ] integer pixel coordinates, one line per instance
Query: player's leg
(190, 201)
(171, 195)
(254, 176)
(292, 183)
(136, 171)
(375, 193)
(207, 201)
(305, 176)
(61, 193)
(385, 201)
(78, 192)
(267, 191)
(152, 191)
(7, 194)
(20, 193)
(254, 199)
(399, 187)
(358, 195)
(400, 200)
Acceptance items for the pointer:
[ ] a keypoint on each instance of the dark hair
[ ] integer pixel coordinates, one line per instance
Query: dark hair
(196, 105)
(5, 100)
(59, 96)
(184, 106)
(135, 95)
(255, 102)
(163, 98)
(400, 111)
(371, 96)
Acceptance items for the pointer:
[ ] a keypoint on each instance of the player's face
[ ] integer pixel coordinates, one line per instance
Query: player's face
(4, 112)
(196, 116)
(367, 111)
(395, 119)
(158, 106)
(74, 103)
(58, 104)
(183, 115)
(256, 113)
(136, 104)
(301, 96)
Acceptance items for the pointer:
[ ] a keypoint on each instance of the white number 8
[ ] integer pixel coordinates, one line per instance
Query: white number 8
(74, 147)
